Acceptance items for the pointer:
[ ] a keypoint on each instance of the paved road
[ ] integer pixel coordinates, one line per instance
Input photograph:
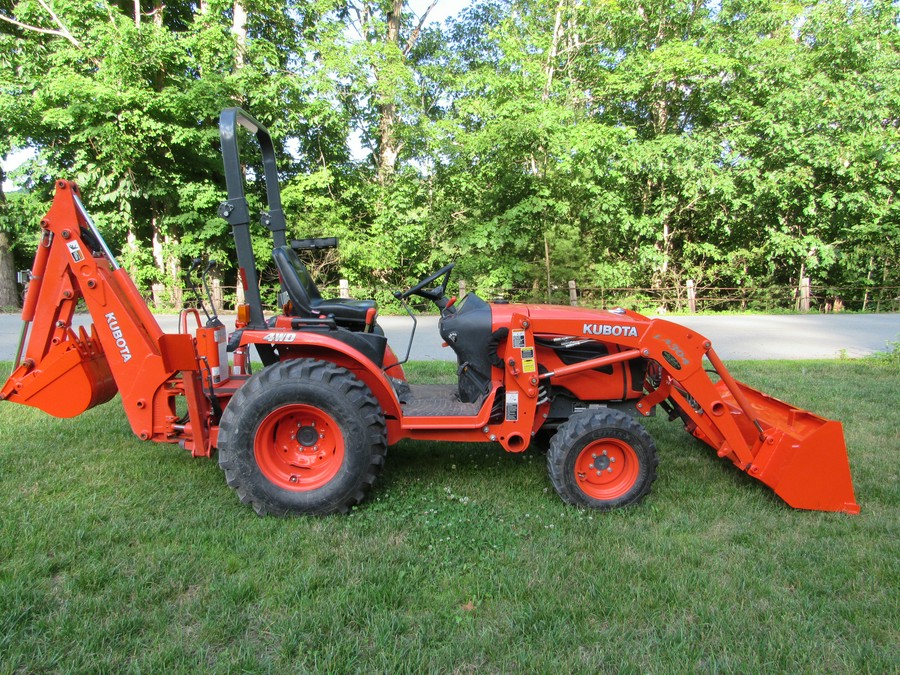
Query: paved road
(813, 336)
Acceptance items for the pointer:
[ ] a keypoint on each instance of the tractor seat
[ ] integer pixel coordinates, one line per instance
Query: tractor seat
(305, 296)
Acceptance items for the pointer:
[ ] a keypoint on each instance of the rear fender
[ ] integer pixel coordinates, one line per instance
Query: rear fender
(293, 344)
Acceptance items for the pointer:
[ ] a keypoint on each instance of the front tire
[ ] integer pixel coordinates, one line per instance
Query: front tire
(302, 437)
(602, 459)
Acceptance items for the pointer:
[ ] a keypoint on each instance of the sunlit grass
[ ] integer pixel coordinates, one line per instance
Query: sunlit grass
(117, 554)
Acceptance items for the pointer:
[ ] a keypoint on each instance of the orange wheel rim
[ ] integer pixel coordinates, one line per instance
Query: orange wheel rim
(299, 447)
(606, 469)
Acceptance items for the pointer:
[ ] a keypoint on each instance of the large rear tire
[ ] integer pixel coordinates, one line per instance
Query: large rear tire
(602, 459)
(302, 437)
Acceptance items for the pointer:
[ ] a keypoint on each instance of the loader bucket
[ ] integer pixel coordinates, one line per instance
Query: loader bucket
(802, 457)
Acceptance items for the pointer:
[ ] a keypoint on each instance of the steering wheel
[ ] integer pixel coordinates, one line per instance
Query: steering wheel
(435, 294)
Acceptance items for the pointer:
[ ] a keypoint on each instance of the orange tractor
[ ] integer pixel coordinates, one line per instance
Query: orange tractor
(309, 430)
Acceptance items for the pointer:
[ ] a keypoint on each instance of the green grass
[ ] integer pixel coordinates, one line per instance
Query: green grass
(122, 555)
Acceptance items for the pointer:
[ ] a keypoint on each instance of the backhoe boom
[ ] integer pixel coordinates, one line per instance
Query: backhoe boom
(65, 372)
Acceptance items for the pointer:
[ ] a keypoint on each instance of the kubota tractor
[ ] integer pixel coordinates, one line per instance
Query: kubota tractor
(309, 430)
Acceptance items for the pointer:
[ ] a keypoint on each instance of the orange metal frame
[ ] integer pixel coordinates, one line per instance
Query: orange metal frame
(64, 372)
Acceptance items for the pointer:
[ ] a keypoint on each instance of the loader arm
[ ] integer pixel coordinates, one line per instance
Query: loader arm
(801, 456)
(65, 372)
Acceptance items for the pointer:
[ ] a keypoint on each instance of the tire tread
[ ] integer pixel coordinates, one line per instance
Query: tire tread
(565, 441)
(322, 373)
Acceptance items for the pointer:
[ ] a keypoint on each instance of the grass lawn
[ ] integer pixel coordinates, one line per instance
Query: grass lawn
(121, 555)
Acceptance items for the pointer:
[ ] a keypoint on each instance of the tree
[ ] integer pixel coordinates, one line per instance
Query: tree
(9, 296)
(633, 143)
(126, 101)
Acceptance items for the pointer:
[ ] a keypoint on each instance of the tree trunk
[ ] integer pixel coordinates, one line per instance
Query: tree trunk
(666, 247)
(158, 258)
(388, 148)
(547, 262)
(131, 243)
(9, 291)
(550, 68)
(239, 28)
(868, 282)
(173, 268)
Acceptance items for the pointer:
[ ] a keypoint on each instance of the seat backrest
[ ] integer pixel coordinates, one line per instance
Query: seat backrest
(296, 279)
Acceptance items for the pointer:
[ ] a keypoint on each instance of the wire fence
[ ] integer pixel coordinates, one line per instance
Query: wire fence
(675, 299)
(680, 299)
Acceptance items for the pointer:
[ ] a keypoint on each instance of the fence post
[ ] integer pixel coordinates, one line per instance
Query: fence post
(215, 289)
(692, 296)
(344, 287)
(573, 294)
(804, 294)
(159, 293)
(462, 288)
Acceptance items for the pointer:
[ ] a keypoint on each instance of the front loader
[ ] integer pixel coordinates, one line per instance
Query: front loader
(308, 432)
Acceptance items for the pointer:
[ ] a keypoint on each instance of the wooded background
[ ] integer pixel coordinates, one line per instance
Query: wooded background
(616, 143)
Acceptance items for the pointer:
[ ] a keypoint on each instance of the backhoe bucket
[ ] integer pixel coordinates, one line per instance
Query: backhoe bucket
(801, 456)
(72, 378)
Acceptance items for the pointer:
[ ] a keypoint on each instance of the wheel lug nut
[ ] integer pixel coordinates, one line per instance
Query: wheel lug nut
(612, 459)
(604, 453)
(594, 455)
(609, 470)
(598, 473)
(293, 479)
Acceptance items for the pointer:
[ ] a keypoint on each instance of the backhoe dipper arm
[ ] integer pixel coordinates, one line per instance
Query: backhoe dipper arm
(65, 373)
(801, 456)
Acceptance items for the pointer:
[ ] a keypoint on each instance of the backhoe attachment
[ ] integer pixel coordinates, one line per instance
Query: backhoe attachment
(64, 371)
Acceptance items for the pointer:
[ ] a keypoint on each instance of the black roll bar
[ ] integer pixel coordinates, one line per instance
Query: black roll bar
(236, 211)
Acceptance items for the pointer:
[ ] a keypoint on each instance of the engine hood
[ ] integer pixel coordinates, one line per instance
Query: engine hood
(503, 312)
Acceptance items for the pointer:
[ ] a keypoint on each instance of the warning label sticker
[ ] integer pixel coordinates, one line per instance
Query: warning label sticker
(75, 250)
(528, 362)
(512, 406)
(519, 339)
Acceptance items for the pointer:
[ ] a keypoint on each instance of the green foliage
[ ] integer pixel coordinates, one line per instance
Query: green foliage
(889, 357)
(17, 215)
(744, 143)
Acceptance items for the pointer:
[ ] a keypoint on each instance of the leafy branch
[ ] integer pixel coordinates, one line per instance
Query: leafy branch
(62, 31)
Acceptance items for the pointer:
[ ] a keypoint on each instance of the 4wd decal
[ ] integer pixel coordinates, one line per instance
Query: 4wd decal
(607, 329)
(280, 337)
